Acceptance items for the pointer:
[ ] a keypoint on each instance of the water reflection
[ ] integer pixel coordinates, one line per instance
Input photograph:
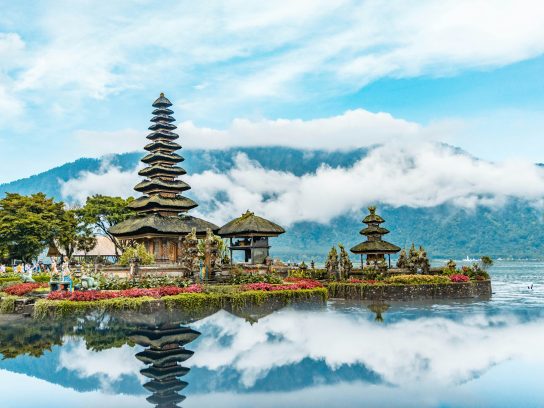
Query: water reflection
(164, 354)
(424, 354)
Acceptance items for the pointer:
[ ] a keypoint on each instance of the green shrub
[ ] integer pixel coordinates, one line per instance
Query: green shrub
(144, 282)
(317, 274)
(41, 278)
(195, 304)
(239, 277)
(416, 279)
(138, 251)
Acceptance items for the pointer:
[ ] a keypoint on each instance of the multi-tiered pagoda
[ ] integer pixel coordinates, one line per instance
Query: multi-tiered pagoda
(375, 248)
(162, 221)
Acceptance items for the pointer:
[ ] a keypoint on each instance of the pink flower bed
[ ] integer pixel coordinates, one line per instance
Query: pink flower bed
(80, 296)
(299, 284)
(21, 289)
(457, 277)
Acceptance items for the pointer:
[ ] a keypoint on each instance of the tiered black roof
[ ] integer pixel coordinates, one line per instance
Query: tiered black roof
(163, 191)
(374, 233)
(163, 356)
(162, 209)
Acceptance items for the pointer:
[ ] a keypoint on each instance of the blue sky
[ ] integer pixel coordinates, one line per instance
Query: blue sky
(77, 78)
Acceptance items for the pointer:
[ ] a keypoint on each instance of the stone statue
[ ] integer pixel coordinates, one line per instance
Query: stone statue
(332, 263)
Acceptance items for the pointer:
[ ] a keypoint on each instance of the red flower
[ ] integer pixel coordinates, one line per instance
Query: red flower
(457, 277)
(300, 284)
(21, 289)
(89, 295)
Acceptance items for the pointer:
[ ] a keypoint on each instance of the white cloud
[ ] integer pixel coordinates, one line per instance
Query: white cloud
(426, 352)
(353, 128)
(419, 174)
(108, 365)
(109, 180)
(275, 49)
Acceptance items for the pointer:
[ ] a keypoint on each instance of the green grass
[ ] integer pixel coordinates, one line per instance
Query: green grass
(191, 303)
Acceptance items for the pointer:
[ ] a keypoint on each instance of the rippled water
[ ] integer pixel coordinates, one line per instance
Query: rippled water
(451, 354)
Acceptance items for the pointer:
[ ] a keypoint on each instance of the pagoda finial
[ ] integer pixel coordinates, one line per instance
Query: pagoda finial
(162, 94)
(372, 209)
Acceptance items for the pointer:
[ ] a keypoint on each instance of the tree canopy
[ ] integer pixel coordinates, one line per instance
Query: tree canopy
(103, 212)
(28, 224)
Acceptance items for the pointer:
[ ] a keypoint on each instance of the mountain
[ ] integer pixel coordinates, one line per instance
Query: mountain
(515, 229)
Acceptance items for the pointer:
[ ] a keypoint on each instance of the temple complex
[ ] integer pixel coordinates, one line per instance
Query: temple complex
(161, 219)
(251, 233)
(375, 248)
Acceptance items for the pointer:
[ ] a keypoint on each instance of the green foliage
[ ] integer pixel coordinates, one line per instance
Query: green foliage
(41, 278)
(103, 212)
(7, 303)
(331, 264)
(239, 277)
(74, 233)
(137, 251)
(416, 279)
(317, 274)
(486, 262)
(144, 282)
(191, 303)
(28, 224)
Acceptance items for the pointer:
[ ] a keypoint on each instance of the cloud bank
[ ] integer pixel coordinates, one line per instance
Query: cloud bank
(280, 50)
(396, 174)
(434, 351)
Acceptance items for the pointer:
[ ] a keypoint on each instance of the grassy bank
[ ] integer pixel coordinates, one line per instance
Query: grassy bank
(190, 303)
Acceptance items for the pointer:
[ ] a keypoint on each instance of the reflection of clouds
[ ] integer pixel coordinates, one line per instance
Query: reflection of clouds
(108, 365)
(23, 391)
(430, 350)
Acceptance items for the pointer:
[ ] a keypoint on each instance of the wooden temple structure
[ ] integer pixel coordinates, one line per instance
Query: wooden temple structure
(251, 234)
(375, 248)
(161, 219)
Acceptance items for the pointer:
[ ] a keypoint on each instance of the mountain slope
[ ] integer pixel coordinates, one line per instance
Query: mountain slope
(515, 229)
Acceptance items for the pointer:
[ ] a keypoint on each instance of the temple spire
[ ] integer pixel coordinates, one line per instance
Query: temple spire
(161, 188)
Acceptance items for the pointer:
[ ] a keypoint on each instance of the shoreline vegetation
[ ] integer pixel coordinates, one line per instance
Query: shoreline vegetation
(196, 299)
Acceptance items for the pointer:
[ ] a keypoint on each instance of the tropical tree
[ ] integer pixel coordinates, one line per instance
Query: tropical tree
(28, 224)
(104, 212)
(74, 233)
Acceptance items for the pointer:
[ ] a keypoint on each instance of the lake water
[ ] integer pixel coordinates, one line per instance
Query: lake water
(451, 354)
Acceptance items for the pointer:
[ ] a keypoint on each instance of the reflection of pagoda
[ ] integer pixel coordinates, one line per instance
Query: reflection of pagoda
(164, 355)
(375, 248)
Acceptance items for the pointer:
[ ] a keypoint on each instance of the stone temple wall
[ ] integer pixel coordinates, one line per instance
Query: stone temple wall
(465, 290)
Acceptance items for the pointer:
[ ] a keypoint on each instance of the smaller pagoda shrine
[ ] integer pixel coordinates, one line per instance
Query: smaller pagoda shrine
(251, 233)
(161, 221)
(375, 248)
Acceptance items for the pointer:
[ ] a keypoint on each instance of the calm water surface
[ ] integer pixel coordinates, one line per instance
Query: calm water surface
(452, 354)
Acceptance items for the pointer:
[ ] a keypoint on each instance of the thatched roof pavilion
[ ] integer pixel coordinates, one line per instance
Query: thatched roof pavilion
(161, 219)
(375, 248)
(253, 233)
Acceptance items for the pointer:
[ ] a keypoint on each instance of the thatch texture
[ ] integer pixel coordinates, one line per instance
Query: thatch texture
(160, 224)
(372, 247)
(250, 224)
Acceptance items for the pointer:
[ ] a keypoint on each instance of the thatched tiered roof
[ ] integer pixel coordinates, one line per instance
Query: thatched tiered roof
(374, 243)
(249, 225)
(159, 209)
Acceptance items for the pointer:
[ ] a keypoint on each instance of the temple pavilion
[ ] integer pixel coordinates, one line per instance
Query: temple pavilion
(161, 219)
(251, 234)
(375, 248)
